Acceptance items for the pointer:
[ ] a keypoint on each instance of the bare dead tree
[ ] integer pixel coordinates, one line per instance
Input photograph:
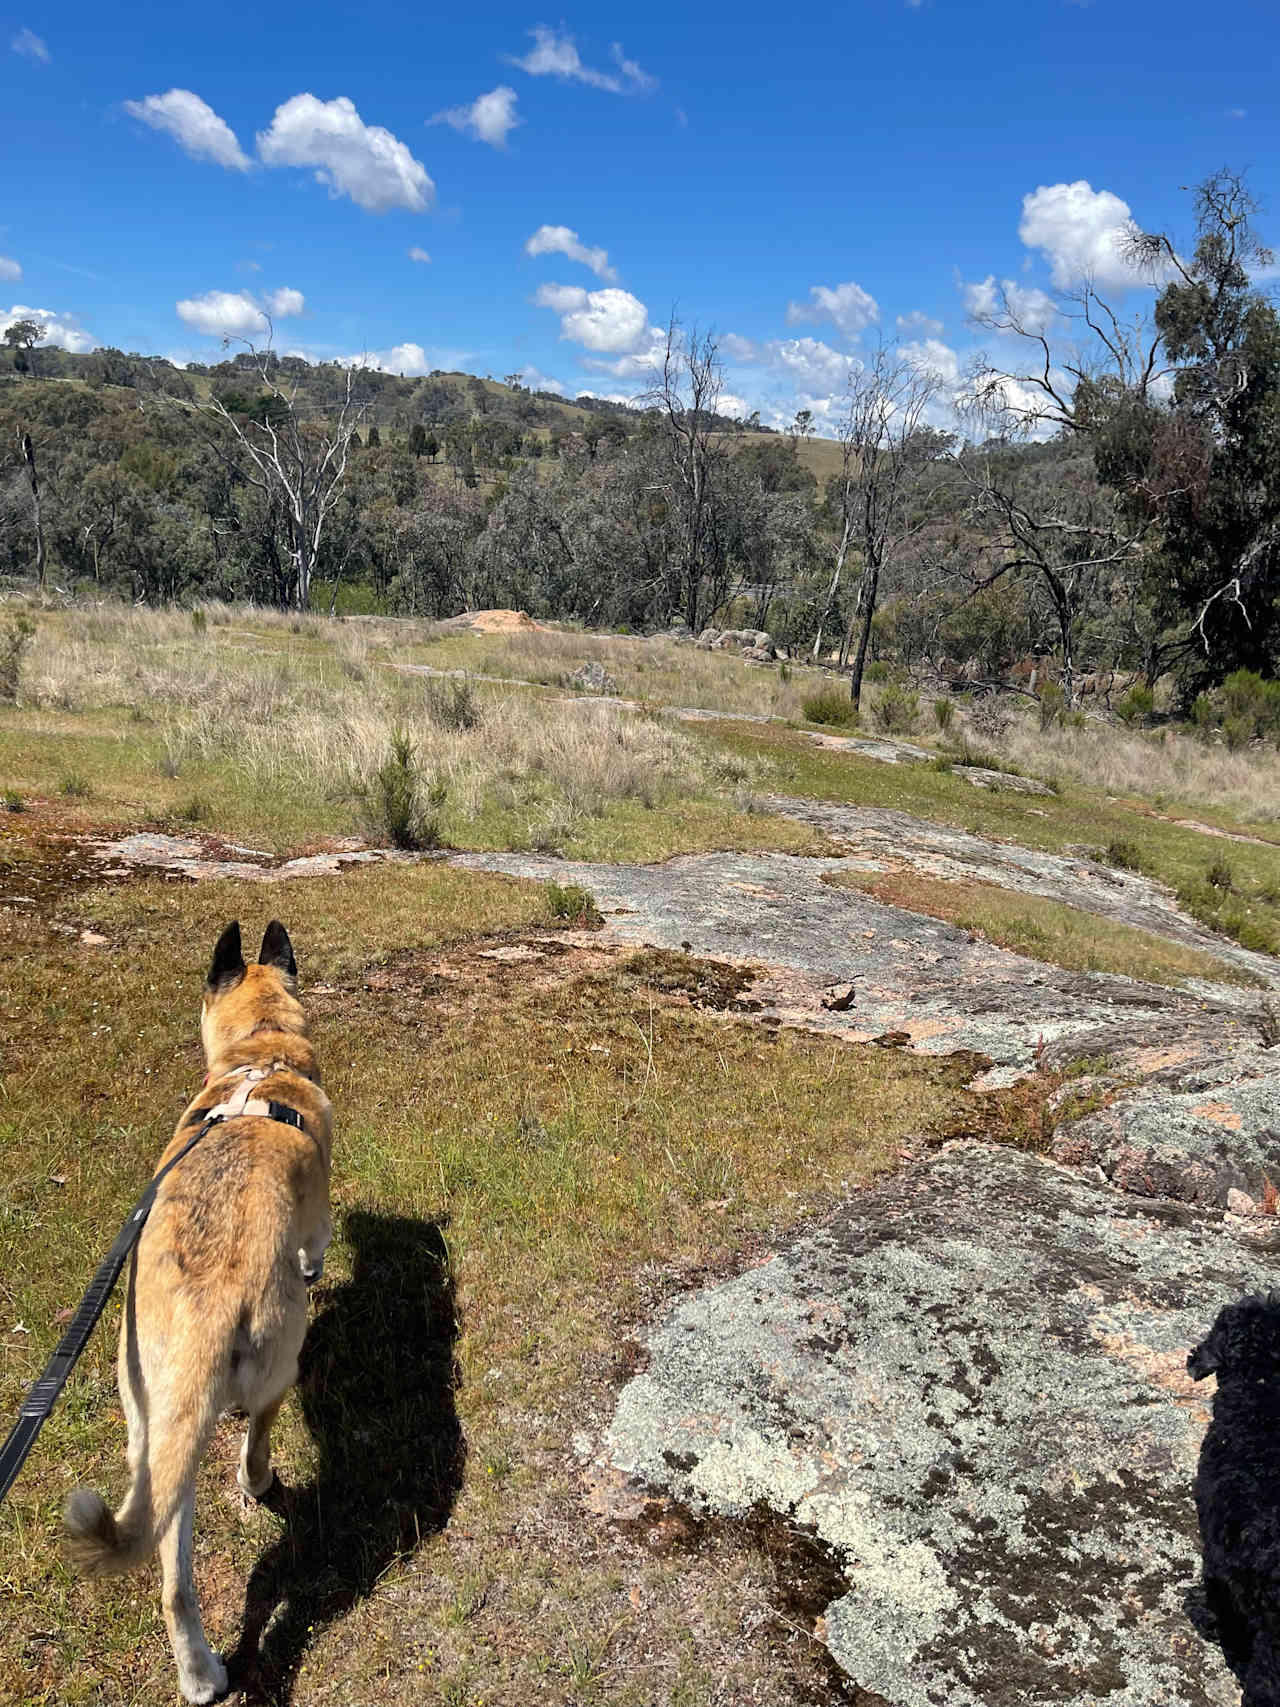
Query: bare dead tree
(686, 394)
(1070, 537)
(1040, 383)
(884, 443)
(301, 462)
(28, 453)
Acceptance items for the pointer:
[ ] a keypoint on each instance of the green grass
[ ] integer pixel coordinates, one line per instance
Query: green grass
(1045, 929)
(1070, 819)
(521, 1150)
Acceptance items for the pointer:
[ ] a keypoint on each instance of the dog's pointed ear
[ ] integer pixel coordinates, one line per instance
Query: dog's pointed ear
(228, 959)
(1203, 1360)
(277, 950)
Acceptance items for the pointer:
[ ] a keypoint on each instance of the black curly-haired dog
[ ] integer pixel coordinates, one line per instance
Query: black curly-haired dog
(1237, 1491)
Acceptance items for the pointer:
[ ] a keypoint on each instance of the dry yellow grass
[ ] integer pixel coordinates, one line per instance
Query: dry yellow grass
(1168, 766)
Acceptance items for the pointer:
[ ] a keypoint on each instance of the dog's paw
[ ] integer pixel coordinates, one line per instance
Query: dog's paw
(204, 1681)
(249, 1490)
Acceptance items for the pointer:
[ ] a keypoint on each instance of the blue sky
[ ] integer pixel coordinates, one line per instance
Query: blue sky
(803, 183)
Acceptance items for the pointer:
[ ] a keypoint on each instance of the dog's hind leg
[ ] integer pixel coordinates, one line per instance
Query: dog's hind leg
(255, 1474)
(201, 1674)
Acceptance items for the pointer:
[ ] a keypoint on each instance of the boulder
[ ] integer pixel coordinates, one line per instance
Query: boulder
(970, 1383)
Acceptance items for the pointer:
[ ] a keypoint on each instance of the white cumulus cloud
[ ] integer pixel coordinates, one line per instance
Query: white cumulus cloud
(9, 269)
(194, 126)
(1034, 309)
(922, 324)
(236, 314)
(932, 357)
(535, 380)
(608, 321)
(416, 254)
(555, 54)
(804, 362)
(847, 306)
(351, 157)
(490, 118)
(560, 240)
(1079, 231)
(640, 363)
(31, 46)
(61, 331)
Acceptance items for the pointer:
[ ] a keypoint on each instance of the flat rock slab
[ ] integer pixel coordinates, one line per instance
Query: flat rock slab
(185, 856)
(882, 839)
(971, 1383)
(922, 979)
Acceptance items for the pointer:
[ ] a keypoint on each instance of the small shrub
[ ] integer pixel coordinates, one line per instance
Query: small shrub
(75, 786)
(1248, 699)
(1237, 732)
(990, 718)
(831, 706)
(877, 671)
(200, 621)
(16, 634)
(13, 801)
(1052, 706)
(944, 711)
(574, 904)
(399, 806)
(452, 704)
(1269, 1022)
(1204, 715)
(784, 671)
(195, 809)
(1125, 856)
(1137, 705)
(1220, 875)
(897, 709)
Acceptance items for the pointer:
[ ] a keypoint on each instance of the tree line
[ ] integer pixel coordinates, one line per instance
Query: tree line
(1100, 489)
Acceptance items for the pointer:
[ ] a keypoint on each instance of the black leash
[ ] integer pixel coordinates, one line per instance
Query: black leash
(43, 1393)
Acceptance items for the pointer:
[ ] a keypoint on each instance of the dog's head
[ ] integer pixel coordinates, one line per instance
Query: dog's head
(240, 999)
(1243, 1344)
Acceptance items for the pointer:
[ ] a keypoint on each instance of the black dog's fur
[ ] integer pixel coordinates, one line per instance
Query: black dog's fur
(1238, 1491)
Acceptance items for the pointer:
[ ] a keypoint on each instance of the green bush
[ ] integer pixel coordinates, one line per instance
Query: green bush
(400, 805)
(1220, 875)
(200, 621)
(876, 671)
(75, 786)
(830, 705)
(451, 704)
(1125, 856)
(573, 903)
(1247, 698)
(1137, 705)
(1052, 706)
(16, 633)
(13, 801)
(897, 709)
(943, 712)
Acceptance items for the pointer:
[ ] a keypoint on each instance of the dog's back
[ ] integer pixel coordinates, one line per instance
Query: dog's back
(216, 1307)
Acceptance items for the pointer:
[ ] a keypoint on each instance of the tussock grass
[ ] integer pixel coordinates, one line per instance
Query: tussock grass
(1167, 766)
(1044, 929)
(297, 716)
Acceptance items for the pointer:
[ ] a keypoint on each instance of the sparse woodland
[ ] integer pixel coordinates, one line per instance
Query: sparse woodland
(1110, 509)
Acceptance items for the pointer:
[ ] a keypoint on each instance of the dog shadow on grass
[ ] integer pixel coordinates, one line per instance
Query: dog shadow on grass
(376, 1385)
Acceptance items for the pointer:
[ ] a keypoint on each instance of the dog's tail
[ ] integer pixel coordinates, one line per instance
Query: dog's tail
(181, 1415)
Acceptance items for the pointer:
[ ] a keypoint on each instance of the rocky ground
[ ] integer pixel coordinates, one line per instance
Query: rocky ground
(968, 1385)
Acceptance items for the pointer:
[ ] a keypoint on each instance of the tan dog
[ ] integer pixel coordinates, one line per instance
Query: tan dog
(216, 1308)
